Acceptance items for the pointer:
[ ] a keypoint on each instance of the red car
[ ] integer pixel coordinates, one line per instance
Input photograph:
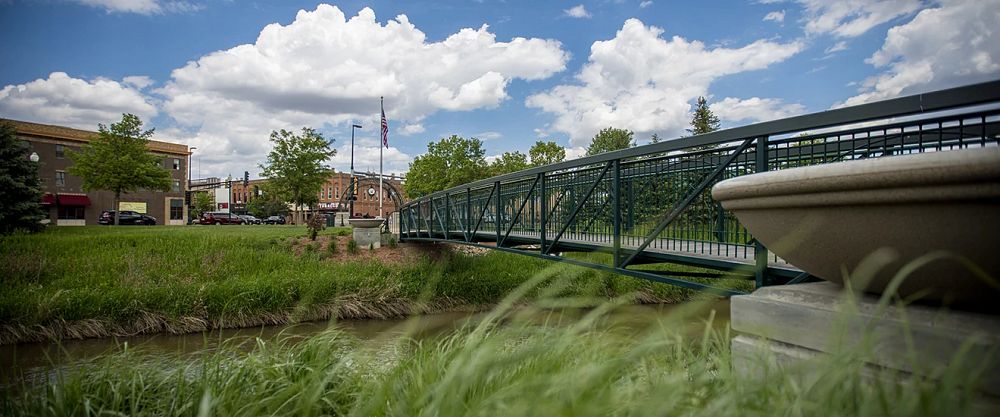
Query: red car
(215, 217)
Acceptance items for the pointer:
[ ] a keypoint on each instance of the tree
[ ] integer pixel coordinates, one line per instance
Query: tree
(20, 188)
(509, 162)
(267, 204)
(201, 202)
(294, 167)
(704, 121)
(449, 162)
(544, 153)
(610, 139)
(119, 161)
(655, 138)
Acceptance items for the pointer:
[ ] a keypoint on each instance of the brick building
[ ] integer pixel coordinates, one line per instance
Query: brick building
(69, 205)
(332, 192)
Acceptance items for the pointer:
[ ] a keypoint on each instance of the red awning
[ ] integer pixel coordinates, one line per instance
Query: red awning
(73, 200)
(48, 199)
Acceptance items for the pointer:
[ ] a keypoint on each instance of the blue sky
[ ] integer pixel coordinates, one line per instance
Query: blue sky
(221, 74)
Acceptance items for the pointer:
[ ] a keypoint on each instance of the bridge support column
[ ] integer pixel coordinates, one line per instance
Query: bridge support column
(781, 328)
(760, 252)
(616, 211)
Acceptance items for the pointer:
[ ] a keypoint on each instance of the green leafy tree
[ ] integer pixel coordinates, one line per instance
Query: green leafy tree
(118, 160)
(267, 204)
(294, 167)
(201, 202)
(449, 162)
(655, 138)
(610, 139)
(509, 162)
(20, 188)
(544, 153)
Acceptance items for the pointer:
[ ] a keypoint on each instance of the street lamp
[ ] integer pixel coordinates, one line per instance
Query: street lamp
(190, 152)
(351, 198)
(33, 157)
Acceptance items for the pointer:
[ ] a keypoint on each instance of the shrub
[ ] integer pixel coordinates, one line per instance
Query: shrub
(331, 248)
(391, 242)
(352, 246)
(314, 225)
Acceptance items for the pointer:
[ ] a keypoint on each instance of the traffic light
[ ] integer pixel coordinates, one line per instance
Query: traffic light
(246, 179)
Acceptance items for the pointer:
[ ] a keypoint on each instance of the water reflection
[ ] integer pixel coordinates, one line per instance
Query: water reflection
(33, 360)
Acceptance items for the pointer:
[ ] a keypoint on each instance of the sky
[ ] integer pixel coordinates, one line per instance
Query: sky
(221, 75)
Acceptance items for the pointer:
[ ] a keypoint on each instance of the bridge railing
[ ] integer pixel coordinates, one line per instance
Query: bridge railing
(652, 203)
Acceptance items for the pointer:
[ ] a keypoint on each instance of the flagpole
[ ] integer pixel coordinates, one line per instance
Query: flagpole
(380, 146)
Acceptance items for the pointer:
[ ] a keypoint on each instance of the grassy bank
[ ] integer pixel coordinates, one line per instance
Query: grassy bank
(100, 281)
(498, 367)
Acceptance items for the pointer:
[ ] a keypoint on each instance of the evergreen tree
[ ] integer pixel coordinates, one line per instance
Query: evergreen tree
(704, 121)
(20, 188)
(654, 139)
(118, 160)
(610, 139)
(544, 153)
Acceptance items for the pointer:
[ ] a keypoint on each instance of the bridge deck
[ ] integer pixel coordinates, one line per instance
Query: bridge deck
(681, 248)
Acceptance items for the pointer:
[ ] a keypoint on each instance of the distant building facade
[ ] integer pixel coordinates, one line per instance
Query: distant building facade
(66, 201)
(331, 194)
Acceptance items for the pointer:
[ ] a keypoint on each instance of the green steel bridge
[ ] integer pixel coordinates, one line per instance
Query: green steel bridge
(652, 204)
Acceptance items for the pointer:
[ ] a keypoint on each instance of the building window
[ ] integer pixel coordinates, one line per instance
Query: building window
(176, 209)
(60, 179)
(177, 186)
(60, 151)
(71, 213)
(177, 164)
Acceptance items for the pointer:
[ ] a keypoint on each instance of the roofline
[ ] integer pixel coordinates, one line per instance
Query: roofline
(84, 136)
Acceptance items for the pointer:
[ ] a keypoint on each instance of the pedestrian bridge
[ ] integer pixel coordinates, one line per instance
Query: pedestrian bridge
(652, 204)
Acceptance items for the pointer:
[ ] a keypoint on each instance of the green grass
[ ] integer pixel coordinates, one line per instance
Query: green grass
(97, 281)
(501, 366)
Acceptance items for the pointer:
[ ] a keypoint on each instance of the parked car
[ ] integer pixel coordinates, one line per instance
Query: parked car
(216, 217)
(274, 220)
(250, 219)
(126, 217)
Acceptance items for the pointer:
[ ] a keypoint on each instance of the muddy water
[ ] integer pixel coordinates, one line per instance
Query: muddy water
(17, 361)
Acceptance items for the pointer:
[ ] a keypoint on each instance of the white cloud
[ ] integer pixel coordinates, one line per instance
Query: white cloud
(575, 152)
(488, 135)
(777, 16)
(645, 4)
(412, 129)
(850, 18)
(645, 83)
(64, 100)
(577, 11)
(144, 7)
(955, 44)
(366, 151)
(755, 109)
(138, 81)
(837, 47)
(327, 69)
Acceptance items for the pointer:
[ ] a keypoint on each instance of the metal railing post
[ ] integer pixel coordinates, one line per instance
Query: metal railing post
(616, 211)
(430, 218)
(468, 215)
(760, 252)
(497, 213)
(447, 216)
(544, 210)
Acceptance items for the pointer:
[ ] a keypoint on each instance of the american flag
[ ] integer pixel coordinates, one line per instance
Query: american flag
(385, 130)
